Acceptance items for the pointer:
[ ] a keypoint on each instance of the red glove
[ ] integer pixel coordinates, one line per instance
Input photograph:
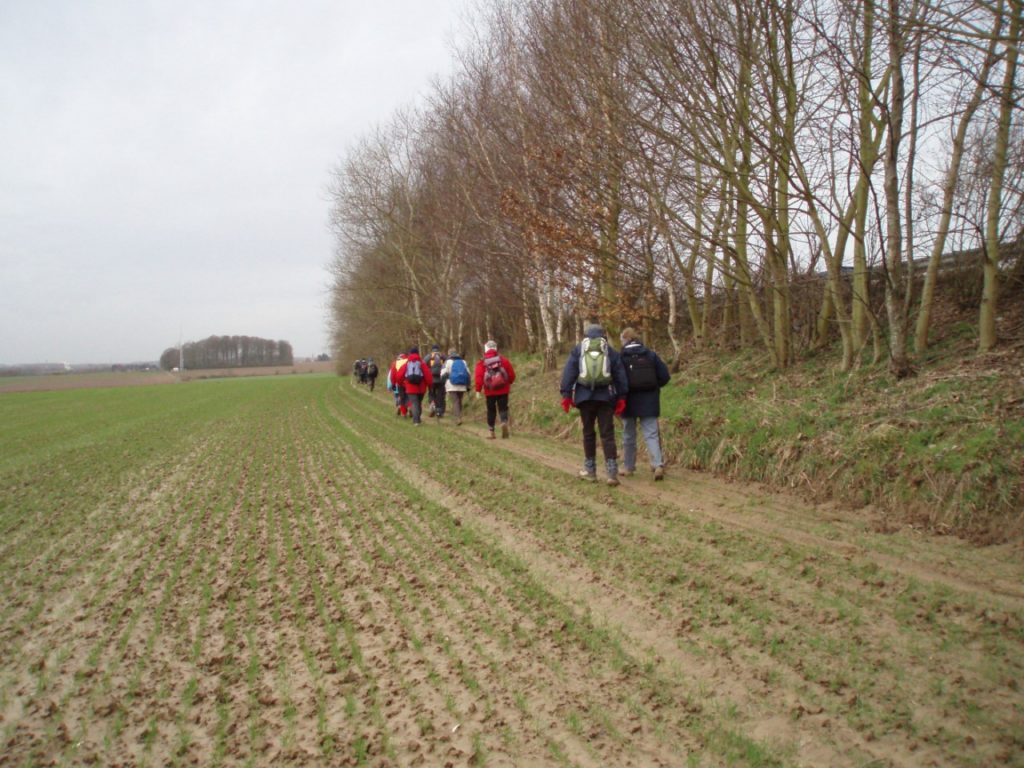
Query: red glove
(566, 404)
(620, 406)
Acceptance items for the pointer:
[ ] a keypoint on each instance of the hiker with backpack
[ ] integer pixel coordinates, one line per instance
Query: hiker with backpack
(435, 361)
(594, 381)
(414, 377)
(456, 381)
(392, 383)
(371, 373)
(494, 376)
(646, 374)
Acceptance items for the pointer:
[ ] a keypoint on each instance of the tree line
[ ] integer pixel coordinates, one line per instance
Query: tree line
(228, 352)
(778, 174)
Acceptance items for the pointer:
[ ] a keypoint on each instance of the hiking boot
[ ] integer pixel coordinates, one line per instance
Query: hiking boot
(490, 434)
(626, 473)
(612, 468)
(589, 471)
(458, 422)
(659, 473)
(504, 431)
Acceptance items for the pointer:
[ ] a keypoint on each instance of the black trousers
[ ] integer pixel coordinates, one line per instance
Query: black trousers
(497, 407)
(437, 395)
(601, 413)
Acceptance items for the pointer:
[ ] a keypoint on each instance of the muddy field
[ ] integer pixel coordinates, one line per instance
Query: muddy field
(280, 571)
(65, 381)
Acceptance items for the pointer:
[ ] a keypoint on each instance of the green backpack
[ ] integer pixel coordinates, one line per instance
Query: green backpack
(595, 367)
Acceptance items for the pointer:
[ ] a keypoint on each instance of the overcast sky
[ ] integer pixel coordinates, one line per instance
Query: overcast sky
(164, 163)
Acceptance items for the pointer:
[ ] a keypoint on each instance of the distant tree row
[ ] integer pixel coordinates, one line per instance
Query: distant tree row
(229, 352)
(779, 174)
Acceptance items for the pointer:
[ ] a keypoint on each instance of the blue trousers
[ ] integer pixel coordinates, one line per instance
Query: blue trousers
(649, 428)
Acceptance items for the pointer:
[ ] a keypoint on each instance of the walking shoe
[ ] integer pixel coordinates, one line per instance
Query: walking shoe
(504, 431)
(458, 422)
(613, 480)
(587, 475)
(659, 473)
(626, 473)
(490, 434)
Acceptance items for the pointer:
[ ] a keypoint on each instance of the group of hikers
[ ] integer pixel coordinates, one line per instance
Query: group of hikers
(440, 377)
(365, 371)
(598, 380)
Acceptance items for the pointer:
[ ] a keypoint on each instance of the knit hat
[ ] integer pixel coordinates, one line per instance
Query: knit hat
(414, 351)
(490, 345)
(453, 352)
(628, 335)
(436, 347)
(593, 331)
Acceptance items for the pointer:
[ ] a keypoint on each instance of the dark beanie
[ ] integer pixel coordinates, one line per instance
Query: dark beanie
(414, 351)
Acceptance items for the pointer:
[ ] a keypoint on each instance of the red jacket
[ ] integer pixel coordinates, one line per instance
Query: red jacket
(479, 374)
(423, 386)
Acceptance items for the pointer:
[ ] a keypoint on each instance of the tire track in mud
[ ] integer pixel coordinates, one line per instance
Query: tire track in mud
(705, 682)
(827, 588)
(496, 669)
(552, 568)
(712, 499)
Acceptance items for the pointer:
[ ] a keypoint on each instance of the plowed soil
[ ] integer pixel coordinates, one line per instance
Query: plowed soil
(307, 579)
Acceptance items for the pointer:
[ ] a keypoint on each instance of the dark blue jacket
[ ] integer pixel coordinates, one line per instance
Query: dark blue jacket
(571, 372)
(646, 402)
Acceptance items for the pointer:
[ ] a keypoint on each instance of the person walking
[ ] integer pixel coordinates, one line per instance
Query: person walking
(435, 361)
(456, 382)
(494, 376)
(414, 377)
(392, 383)
(594, 381)
(371, 373)
(646, 374)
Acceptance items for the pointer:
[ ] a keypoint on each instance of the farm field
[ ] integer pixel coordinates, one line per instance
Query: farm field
(64, 381)
(278, 571)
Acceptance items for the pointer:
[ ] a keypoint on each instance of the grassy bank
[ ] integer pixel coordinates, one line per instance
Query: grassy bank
(943, 449)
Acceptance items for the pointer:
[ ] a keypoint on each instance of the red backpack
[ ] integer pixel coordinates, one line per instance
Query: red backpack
(495, 375)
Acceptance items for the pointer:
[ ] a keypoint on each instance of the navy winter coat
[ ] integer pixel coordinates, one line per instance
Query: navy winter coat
(571, 372)
(646, 402)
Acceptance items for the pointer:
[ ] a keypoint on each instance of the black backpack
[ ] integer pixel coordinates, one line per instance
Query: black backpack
(641, 373)
(436, 364)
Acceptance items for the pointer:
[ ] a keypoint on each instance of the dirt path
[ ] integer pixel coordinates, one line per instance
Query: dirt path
(995, 571)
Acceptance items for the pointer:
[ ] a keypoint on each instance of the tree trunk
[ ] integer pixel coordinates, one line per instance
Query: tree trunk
(987, 337)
